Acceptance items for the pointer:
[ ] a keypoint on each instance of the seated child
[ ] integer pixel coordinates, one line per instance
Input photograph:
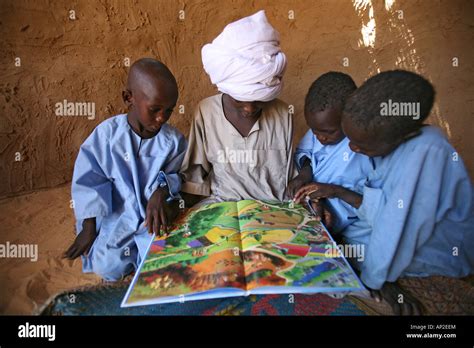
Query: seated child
(416, 211)
(125, 172)
(323, 155)
(240, 142)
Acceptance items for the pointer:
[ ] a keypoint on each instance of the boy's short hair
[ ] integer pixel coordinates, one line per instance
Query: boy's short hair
(365, 106)
(329, 90)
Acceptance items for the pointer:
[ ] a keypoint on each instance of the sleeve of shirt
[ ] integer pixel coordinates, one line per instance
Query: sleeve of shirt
(196, 168)
(169, 176)
(304, 149)
(91, 188)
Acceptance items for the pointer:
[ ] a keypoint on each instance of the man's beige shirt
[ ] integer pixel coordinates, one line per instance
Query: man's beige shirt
(222, 163)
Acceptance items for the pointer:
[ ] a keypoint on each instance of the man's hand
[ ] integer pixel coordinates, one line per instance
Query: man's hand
(402, 303)
(83, 241)
(156, 212)
(295, 184)
(303, 178)
(190, 199)
(316, 190)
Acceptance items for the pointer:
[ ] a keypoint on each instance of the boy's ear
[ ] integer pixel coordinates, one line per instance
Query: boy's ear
(127, 98)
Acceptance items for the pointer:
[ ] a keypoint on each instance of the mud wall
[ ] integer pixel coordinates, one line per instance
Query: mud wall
(78, 51)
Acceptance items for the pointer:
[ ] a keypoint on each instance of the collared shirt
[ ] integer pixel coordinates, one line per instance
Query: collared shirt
(416, 216)
(223, 163)
(335, 164)
(116, 172)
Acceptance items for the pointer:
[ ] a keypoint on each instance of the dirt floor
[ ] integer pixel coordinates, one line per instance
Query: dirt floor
(42, 218)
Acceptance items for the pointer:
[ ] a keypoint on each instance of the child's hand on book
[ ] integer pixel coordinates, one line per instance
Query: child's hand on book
(156, 215)
(327, 219)
(323, 213)
(315, 191)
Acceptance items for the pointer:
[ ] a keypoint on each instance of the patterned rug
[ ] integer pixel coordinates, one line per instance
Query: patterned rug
(106, 299)
(438, 295)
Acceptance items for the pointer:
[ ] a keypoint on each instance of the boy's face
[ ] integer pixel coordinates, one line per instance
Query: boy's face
(326, 125)
(364, 142)
(152, 104)
(246, 109)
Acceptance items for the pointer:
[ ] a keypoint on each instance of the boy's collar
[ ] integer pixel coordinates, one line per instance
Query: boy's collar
(136, 133)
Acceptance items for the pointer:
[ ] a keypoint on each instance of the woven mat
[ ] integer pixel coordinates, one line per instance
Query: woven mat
(105, 300)
(438, 295)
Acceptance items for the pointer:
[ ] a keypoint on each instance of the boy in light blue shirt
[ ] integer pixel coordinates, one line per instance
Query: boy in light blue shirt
(323, 155)
(126, 174)
(416, 209)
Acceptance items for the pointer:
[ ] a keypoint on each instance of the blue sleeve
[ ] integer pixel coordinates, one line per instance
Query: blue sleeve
(304, 149)
(91, 188)
(169, 175)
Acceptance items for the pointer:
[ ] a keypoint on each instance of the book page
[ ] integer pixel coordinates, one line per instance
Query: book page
(201, 253)
(283, 245)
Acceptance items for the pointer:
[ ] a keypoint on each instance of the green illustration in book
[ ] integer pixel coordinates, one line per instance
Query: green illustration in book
(238, 248)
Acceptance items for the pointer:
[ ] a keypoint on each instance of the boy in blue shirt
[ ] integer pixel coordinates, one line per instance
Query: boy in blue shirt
(416, 209)
(323, 155)
(125, 173)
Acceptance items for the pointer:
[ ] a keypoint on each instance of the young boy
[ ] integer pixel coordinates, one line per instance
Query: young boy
(125, 172)
(323, 155)
(240, 143)
(416, 211)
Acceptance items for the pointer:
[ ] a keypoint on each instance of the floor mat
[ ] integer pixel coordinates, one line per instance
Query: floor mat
(106, 299)
(438, 295)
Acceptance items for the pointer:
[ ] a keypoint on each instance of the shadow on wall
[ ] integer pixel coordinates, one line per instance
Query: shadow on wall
(407, 57)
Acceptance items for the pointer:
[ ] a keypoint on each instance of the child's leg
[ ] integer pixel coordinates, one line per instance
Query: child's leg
(111, 263)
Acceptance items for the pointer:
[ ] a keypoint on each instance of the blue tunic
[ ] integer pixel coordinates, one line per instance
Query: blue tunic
(115, 173)
(335, 164)
(416, 216)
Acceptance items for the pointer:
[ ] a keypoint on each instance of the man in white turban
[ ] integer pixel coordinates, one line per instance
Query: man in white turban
(245, 60)
(240, 142)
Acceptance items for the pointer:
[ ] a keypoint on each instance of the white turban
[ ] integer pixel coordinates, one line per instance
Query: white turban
(245, 60)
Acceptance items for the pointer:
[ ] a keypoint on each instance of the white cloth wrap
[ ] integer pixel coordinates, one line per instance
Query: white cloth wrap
(245, 60)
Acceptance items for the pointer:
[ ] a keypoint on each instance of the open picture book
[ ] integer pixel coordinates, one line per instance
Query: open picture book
(241, 248)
